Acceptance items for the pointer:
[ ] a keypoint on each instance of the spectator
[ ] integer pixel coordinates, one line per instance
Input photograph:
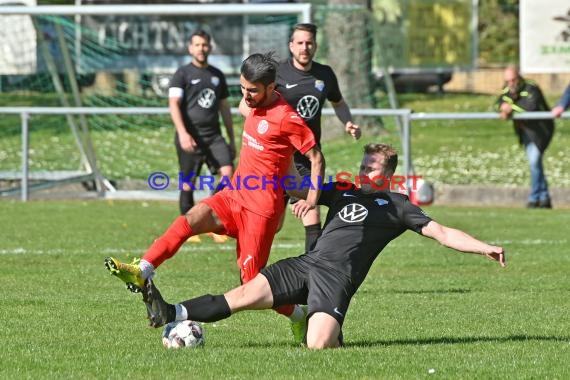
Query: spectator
(563, 103)
(522, 95)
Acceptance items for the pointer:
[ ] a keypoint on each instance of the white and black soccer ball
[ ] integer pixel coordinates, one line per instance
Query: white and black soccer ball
(178, 334)
(423, 193)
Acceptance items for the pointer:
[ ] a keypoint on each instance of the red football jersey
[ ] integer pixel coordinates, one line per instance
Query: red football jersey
(270, 137)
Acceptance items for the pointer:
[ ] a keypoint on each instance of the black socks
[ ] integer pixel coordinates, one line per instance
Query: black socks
(207, 308)
(312, 233)
(186, 201)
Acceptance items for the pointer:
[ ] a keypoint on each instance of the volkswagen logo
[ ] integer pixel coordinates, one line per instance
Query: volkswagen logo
(353, 213)
(308, 106)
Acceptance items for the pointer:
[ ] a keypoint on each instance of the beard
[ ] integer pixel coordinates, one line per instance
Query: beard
(251, 103)
(303, 59)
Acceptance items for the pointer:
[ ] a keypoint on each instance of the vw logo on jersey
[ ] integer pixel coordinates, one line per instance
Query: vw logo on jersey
(319, 85)
(215, 81)
(308, 106)
(262, 127)
(207, 98)
(353, 213)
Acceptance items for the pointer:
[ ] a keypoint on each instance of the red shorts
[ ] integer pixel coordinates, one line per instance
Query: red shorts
(253, 233)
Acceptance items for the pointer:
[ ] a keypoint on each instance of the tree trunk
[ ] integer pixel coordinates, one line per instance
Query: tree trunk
(349, 42)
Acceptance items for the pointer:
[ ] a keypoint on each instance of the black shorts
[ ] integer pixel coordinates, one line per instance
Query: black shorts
(214, 152)
(301, 280)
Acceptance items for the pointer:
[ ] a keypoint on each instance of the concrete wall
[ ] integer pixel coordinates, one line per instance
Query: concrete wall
(490, 81)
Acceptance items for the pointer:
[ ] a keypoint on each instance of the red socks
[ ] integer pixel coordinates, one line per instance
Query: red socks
(169, 243)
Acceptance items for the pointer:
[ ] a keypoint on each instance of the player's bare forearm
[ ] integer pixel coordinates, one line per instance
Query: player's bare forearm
(461, 241)
(343, 113)
(309, 195)
(176, 115)
(187, 142)
(226, 113)
(317, 175)
(293, 185)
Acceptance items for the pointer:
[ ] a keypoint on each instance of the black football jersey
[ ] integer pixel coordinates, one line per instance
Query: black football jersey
(203, 88)
(306, 91)
(358, 226)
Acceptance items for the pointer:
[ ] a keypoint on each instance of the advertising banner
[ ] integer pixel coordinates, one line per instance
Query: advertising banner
(545, 36)
(17, 41)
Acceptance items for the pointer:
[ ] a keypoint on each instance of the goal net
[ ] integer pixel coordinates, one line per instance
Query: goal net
(105, 54)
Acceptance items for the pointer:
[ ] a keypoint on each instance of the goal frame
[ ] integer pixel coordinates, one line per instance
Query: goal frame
(79, 128)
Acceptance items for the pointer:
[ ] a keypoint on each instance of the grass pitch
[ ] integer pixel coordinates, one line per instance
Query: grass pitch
(424, 311)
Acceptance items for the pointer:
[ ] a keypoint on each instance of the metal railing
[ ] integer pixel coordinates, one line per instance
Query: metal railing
(406, 117)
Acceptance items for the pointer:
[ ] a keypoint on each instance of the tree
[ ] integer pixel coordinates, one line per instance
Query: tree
(349, 50)
(498, 31)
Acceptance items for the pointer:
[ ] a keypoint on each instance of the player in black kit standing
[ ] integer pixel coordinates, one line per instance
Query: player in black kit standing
(305, 85)
(196, 98)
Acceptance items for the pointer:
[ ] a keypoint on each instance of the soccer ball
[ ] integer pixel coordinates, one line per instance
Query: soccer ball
(423, 194)
(178, 334)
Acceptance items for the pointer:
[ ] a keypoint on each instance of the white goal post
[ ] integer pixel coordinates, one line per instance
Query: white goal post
(69, 62)
(302, 9)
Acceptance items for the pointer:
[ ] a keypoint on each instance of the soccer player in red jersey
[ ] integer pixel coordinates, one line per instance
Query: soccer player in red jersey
(250, 206)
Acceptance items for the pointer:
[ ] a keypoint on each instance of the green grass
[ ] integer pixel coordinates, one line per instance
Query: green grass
(422, 307)
(444, 152)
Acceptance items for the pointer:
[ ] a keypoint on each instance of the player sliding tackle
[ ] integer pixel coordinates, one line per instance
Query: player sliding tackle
(360, 223)
(272, 133)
